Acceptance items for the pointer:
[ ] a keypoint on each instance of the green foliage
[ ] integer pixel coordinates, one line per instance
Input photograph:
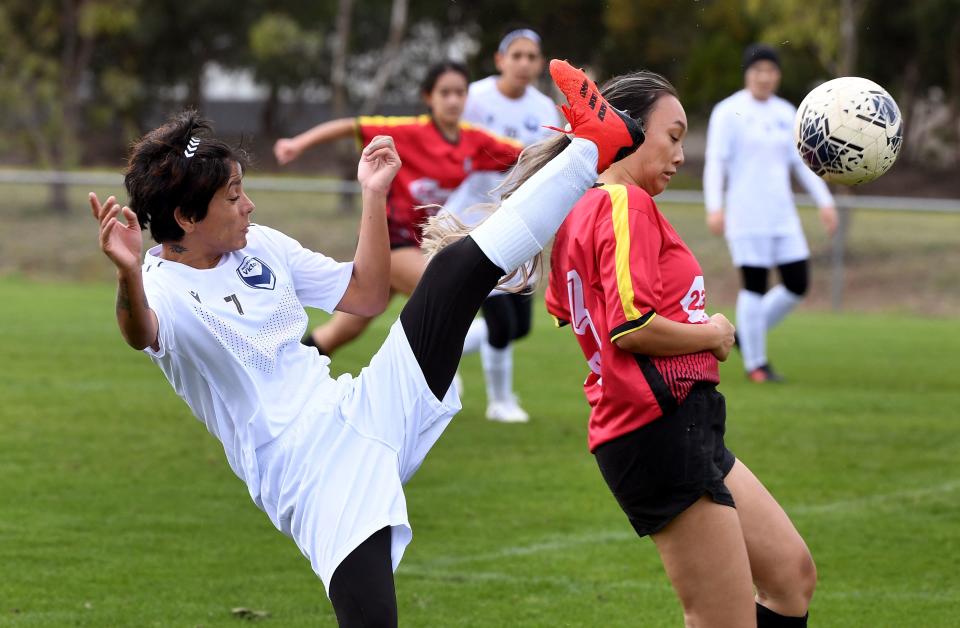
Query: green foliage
(282, 52)
(47, 52)
(68, 67)
(806, 24)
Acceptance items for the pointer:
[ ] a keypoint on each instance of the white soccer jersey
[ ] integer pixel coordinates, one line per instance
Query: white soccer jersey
(230, 339)
(750, 148)
(324, 459)
(521, 119)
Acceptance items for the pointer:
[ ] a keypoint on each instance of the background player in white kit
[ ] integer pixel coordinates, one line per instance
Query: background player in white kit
(218, 306)
(510, 105)
(746, 183)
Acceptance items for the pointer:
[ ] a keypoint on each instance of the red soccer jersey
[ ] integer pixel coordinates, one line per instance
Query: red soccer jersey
(617, 263)
(433, 166)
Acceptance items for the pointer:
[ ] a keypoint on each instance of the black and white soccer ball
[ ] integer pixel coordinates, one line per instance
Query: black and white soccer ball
(849, 130)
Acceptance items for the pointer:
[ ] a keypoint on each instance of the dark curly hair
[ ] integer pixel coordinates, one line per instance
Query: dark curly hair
(160, 177)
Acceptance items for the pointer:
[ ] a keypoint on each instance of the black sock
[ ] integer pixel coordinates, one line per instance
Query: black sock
(766, 618)
(310, 342)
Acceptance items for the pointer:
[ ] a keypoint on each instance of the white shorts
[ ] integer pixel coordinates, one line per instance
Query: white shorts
(335, 475)
(768, 251)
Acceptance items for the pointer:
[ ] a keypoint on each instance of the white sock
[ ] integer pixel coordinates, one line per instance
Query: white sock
(777, 304)
(751, 329)
(498, 372)
(526, 221)
(476, 336)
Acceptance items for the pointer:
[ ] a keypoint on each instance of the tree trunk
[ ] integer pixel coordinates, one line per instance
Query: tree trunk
(953, 83)
(74, 61)
(346, 158)
(850, 11)
(390, 57)
(849, 17)
(910, 91)
(268, 115)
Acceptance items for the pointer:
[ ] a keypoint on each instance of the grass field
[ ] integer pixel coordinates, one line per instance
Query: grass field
(118, 509)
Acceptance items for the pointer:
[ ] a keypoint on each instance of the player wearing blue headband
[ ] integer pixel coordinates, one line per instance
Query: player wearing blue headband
(507, 104)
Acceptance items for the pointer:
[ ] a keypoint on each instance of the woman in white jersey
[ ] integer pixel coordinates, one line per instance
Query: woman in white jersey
(218, 306)
(746, 184)
(507, 104)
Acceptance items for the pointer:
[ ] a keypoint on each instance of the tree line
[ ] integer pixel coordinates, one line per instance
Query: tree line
(70, 69)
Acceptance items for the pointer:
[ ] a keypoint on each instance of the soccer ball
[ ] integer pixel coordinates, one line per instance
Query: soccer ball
(848, 130)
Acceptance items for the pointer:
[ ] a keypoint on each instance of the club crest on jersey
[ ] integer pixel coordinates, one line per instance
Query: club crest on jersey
(256, 274)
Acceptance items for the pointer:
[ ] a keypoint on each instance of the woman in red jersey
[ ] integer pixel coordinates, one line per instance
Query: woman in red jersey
(438, 151)
(634, 295)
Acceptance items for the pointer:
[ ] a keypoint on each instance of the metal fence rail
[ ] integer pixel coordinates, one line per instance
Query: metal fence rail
(845, 202)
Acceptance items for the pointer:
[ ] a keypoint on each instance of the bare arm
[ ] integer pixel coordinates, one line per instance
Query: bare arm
(368, 292)
(122, 244)
(288, 149)
(663, 337)
(138, 323)
(714, 171)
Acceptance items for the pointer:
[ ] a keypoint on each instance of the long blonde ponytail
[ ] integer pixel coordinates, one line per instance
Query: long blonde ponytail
(444, 228)
(635, 93)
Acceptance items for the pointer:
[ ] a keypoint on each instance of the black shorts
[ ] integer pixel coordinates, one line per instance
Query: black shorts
(659, 470)
(508, 317)
(403, 234)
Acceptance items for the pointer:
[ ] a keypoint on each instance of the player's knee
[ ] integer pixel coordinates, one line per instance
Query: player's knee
(379, 615)
(798, 287)
(754, 279)
(806, 571)
(500, 326)
(499, 339)
(353, 327)
(369, 613)
(793, 584)
(795, 277)
(522, 328)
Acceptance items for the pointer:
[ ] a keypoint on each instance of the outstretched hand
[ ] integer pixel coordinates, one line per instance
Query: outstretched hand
(379, 164)
(122, 243)
(286, 150)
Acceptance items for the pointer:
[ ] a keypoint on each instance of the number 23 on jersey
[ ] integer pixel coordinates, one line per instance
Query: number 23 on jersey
(695, 301)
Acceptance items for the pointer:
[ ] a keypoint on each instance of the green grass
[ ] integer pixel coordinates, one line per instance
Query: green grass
(118, 509)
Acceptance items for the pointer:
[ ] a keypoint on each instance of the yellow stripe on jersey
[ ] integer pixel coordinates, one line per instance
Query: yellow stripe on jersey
(381, 121)
(391, 120)
(623, 333)
(621, 233)
(500, 138)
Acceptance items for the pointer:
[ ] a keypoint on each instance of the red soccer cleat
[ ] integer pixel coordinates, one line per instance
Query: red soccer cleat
(616, 136)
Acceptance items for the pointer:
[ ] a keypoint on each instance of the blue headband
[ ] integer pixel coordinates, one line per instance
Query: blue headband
(512, 36)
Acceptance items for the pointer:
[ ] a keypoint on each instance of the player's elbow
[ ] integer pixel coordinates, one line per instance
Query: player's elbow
(375, 301)
(380, 302)
(137, 341)
(632, 343)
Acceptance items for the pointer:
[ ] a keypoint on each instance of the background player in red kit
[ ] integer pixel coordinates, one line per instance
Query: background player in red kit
(438, 151)
(634, 295)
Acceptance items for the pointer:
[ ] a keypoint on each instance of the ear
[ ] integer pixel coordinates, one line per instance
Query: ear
(498, 62)
(187, 224)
